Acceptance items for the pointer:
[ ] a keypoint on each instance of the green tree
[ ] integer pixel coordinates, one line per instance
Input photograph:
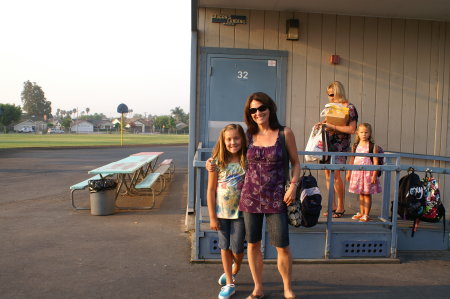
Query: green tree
(34, 101)
(186, 119)
(9, 114)
(95, 116)
(177, 114)
(66, 122)
(98, 116)
(164, 121)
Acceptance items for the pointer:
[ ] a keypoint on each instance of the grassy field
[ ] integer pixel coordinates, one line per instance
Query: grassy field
(62, 140)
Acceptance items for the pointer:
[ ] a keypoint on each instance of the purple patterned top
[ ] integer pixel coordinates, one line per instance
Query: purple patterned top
(263, 190)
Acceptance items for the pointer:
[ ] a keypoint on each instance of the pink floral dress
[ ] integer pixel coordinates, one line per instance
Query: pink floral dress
(360, 181)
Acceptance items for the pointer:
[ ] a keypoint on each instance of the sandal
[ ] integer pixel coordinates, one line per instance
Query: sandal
(255, 296)
(338, 214)
(357, 216)
(326, 213)
(364, 218)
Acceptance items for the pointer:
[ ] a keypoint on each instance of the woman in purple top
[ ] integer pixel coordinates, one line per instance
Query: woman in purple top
(263, 193)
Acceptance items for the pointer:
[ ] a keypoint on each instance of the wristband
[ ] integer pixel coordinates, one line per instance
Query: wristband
(295, 183)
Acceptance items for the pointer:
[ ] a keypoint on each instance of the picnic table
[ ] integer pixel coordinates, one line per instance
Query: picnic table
(129, 170)
(136, 175)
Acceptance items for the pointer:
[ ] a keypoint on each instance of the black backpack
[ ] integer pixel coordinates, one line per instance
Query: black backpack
(411, 198)
(305, 210)
(310, 199)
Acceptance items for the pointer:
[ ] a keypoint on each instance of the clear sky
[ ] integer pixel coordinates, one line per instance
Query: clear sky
(97, 53)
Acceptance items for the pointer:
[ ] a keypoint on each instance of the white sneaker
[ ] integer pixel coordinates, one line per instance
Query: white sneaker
(223, 279)
(227, 291)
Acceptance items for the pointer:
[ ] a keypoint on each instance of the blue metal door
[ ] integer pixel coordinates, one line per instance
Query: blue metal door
(230, 79)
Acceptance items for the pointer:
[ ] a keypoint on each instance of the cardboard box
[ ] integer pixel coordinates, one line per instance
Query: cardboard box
(336, 114)
(337, 120)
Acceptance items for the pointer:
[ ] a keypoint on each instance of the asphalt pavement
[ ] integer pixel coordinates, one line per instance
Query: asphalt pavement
(49, 250)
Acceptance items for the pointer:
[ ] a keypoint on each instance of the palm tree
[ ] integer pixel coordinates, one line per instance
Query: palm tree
(177, 113)
(87, 110)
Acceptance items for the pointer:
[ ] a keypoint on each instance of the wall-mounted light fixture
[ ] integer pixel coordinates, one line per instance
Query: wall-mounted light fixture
(292, 29)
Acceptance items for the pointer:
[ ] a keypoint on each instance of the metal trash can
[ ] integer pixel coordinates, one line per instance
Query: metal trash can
(102, 196)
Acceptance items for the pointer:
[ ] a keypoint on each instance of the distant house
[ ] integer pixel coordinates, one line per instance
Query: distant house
(142, 126)
(57, 125)
(181, 125)
(102, 125)
(30, 126)
(115, 122)
(25, 125)
(82, 126)
(136, 125)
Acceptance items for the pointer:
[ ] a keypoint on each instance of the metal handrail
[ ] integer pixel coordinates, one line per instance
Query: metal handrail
(392, 164)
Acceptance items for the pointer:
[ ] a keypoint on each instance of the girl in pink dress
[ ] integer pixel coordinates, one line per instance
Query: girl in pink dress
(364, 183)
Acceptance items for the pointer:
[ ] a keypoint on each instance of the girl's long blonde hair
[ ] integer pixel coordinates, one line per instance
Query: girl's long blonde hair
(338, 90)
(220, 151)
(357, 140)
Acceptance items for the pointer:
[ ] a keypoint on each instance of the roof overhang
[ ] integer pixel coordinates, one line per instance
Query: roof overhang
(438, 10)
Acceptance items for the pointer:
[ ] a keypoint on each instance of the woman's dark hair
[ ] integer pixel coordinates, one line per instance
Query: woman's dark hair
(252, 127)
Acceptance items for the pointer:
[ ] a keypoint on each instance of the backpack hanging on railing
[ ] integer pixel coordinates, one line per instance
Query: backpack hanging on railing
(411, 199)
(310, 199)
(294, 213)
(434, 209)
(305, 210)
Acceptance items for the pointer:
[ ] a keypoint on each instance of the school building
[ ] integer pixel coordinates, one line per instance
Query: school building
(392, 56)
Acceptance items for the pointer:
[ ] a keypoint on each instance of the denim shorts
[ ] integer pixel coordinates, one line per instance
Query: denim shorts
(232, 234)
(277, 225)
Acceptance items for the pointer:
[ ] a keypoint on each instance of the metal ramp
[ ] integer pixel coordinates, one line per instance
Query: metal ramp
(348, 241)
(335, 240)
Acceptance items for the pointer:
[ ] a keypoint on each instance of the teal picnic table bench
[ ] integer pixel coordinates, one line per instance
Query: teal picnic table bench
(82, 186)
(166, 170)
(136, 175)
